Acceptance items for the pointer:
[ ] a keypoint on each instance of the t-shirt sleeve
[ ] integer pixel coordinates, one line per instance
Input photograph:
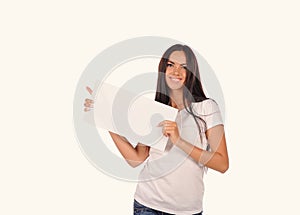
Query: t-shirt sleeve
(211, 114)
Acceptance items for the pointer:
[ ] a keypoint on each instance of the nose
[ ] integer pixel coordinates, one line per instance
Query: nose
(176, 69)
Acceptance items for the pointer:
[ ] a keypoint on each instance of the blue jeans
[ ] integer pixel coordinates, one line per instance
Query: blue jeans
(139, 209)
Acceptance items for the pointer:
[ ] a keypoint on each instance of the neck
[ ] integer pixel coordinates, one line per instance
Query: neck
(176, 98)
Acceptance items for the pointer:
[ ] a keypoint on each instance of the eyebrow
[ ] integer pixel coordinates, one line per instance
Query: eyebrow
(183, 64)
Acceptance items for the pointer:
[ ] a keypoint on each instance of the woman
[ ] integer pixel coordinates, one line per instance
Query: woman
(179, 190)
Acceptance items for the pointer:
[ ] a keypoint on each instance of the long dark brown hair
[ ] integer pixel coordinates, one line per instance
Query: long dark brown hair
(193, 90)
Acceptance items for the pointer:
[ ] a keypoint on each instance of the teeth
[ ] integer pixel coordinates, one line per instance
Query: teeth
(175, 79)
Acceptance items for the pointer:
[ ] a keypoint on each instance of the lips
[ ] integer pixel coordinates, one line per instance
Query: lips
(175, 79)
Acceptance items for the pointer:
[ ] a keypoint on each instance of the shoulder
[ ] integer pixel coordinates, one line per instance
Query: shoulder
(209, 111)
(206, 107)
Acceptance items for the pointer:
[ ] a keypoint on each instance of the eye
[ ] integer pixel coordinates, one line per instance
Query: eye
(169, 65)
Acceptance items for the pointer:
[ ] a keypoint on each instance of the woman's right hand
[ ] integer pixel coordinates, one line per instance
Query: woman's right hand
(88, 103)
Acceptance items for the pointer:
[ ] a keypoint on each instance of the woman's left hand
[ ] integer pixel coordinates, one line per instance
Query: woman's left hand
(170, 129)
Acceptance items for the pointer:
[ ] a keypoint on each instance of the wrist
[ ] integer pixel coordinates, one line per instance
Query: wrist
(179, 142)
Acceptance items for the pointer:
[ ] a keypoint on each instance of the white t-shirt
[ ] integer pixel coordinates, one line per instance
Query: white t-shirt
(171, 181)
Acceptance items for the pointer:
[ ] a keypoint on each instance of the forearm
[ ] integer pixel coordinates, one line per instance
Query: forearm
(213, 160)
(133, 156)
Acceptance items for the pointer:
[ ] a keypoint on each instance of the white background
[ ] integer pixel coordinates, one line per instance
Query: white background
(253, 47)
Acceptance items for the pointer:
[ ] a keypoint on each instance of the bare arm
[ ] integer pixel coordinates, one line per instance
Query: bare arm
(133, 156)
(217, 159)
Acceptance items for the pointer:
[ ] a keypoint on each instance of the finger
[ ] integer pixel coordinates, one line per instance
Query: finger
(171, 123)
(168, 121)
(165, 133)
(89, 90)
(87, 104)
(170, 127)
(89, 101)
(165, 123)
(171, 132)
(86, 109)
(168, 130)
(163, 130)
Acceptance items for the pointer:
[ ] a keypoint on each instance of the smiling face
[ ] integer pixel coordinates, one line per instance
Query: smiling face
(176, 70)
(179, 76)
